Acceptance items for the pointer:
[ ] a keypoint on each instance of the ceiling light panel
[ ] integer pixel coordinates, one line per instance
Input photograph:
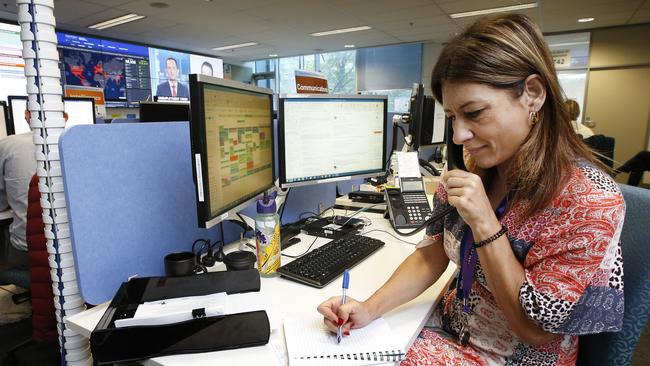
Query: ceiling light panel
(116, 21)
(493, 10)
(233, 46)
(339, 31)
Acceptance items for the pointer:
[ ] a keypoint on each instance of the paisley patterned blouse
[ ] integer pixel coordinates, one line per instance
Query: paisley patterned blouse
(574, 279)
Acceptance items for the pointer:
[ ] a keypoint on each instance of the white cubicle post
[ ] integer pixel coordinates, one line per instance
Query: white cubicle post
(37, 23)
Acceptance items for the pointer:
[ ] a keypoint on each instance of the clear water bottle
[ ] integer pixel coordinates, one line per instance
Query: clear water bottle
(267, 237)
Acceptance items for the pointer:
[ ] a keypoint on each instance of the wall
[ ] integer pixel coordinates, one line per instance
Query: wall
(618, 89)
(389, 67)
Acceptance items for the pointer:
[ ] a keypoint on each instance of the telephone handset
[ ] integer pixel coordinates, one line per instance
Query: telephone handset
(408, 206)
(454, 152)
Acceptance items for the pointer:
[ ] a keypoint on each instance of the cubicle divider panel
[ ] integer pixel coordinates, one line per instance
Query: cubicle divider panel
(131, 200)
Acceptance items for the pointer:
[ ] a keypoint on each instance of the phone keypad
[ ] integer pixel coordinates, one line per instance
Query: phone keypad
(417, 207)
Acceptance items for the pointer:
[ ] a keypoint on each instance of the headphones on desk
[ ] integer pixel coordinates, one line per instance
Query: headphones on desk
(210, 257)
(234, 261)
(239, 260)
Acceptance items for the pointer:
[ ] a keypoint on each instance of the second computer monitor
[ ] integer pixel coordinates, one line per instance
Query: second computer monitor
(324, 138)
(17, 106)
(80, 111)
(164, 112)
(4, 119)
(432, 125)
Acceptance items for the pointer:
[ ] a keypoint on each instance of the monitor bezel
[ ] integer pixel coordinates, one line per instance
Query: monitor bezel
(416, 110)
(3, 105)
(281, 143)
(11, 127)
(92, 100)
(199, 150)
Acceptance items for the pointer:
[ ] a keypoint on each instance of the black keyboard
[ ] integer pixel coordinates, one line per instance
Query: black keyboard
(321, 266)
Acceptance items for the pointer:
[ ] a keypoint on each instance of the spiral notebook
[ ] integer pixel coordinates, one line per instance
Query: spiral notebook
(310, 343)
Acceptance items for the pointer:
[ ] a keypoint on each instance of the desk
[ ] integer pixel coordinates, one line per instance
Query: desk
(285, 298)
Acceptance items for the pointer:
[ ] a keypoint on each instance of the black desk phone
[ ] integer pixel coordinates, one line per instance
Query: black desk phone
(408, 207)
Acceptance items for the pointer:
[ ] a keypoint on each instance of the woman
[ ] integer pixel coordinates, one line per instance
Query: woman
(574, 112)
(537, 225)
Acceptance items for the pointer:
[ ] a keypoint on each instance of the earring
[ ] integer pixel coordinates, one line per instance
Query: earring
(534, 117)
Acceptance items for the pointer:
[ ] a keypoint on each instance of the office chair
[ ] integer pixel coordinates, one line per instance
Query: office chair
(604, 147)
(618, 348)
(18, 277)
(14, 275)
(42, 348)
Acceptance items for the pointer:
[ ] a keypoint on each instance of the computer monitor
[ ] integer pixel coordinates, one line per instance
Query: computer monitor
(81, 111)
(325, 138)
(164, 112)
(17, 107)
(416, 111)
(432, 125)
(232, 145)
(4, 120)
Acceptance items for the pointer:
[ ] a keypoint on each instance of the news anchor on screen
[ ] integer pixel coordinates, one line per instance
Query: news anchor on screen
(172, 87)
(206, 69)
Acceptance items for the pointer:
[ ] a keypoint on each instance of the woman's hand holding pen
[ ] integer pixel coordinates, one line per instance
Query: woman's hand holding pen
(351, 315)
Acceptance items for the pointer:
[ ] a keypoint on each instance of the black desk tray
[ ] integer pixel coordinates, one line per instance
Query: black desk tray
(203, 334)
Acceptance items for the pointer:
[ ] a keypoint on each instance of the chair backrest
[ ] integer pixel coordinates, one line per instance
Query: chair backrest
(603, 145)
(43, 310)
(618, 348)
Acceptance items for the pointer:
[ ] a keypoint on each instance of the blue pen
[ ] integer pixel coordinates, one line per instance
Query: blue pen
(346, 285)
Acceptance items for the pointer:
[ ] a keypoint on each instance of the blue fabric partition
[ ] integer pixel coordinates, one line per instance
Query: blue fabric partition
(131, 200)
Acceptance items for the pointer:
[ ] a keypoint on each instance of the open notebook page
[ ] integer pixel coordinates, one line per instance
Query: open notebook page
(310, 343)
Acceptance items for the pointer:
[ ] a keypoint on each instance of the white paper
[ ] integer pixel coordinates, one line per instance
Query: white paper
(175, 310)
(179, 309)
(253, 301)
(438, 135)
(310, 343)
(408, 165)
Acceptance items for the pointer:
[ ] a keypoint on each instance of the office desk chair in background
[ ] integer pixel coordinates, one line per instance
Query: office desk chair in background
(13, 275)
(604, 146)
(42, 348)
(618, 348)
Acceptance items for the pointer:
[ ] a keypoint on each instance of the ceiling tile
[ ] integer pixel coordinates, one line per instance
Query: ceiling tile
(242, 4)
(104, 15)
(372, 7)
(82, 10)
(105, 3)
(442, 20)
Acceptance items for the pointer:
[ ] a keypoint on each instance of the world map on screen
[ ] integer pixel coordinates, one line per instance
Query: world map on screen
(96, 70)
